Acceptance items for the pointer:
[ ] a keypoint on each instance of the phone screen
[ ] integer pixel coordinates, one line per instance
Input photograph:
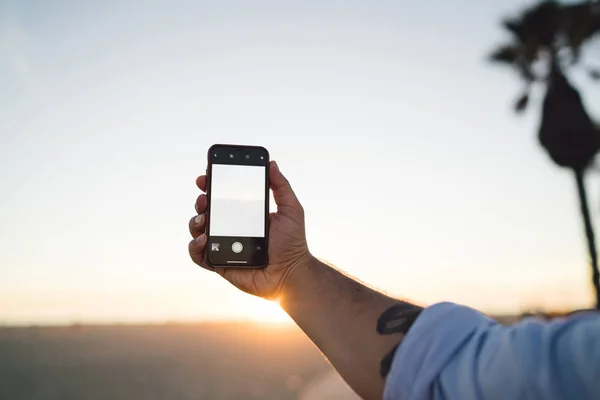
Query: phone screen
(238, 200)
(238, 209)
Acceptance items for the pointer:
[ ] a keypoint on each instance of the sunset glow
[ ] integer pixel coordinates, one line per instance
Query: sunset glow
(415, 176)
(269, 312)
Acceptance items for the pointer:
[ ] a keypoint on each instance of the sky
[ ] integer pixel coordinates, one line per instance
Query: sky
(397, 135)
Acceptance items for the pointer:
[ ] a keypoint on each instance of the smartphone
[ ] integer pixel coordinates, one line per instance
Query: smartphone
(238, 206)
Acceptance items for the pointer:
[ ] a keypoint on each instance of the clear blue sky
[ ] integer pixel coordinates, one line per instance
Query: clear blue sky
(395, 132)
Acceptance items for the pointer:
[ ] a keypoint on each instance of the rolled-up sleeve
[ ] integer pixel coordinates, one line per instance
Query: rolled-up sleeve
(455, 352)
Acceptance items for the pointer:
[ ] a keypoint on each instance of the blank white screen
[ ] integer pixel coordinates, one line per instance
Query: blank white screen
(237, 201)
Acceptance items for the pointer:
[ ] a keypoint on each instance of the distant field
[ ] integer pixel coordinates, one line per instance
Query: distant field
(203, 361)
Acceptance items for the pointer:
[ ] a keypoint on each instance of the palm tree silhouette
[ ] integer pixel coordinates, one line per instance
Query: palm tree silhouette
(546, 41)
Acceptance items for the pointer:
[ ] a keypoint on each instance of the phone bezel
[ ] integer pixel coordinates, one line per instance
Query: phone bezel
(266, 211)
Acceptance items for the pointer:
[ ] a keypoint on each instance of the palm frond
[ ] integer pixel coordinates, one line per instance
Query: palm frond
(522, 102)
(581, 23)
(515, 26)
(507, 54)
(594, 73)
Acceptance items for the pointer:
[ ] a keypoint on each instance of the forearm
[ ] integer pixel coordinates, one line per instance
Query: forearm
(354, 326)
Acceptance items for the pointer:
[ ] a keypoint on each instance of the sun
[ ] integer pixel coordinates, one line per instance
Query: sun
(264, 311)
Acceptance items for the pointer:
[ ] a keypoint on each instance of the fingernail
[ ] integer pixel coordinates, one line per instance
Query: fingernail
(201, 239)
(275, 165)
(199, 219)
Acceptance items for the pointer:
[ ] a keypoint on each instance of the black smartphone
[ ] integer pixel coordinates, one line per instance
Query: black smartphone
(238, 206)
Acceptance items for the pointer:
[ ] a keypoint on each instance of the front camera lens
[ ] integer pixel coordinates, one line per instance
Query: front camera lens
(231, 156)
(247, 156)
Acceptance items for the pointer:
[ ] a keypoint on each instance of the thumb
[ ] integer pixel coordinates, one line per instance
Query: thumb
(282, 191)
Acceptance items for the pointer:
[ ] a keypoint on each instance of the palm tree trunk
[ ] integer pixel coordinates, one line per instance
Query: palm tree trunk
(589, 232)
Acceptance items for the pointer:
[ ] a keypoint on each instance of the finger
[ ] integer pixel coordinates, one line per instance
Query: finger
(201, 203)
(201, 182)
(282, 191)
(196, 250)
(197, 225)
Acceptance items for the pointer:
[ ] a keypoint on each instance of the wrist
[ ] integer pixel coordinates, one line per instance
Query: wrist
(297, 276)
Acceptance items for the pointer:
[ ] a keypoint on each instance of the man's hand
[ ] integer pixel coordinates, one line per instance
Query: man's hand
(287, 241)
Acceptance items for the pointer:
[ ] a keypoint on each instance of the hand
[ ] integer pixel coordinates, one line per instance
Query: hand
(287, 241)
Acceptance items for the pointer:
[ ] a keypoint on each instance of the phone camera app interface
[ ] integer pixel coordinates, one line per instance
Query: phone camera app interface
(238, 200)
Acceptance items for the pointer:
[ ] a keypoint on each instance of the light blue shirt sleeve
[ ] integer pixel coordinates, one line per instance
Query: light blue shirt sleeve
(454, 352)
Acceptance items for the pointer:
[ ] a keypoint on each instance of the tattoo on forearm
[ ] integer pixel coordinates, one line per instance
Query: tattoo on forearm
(396, 319)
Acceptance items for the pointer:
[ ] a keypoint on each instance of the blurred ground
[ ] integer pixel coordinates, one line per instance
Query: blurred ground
(175, 362)
(208, 361)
